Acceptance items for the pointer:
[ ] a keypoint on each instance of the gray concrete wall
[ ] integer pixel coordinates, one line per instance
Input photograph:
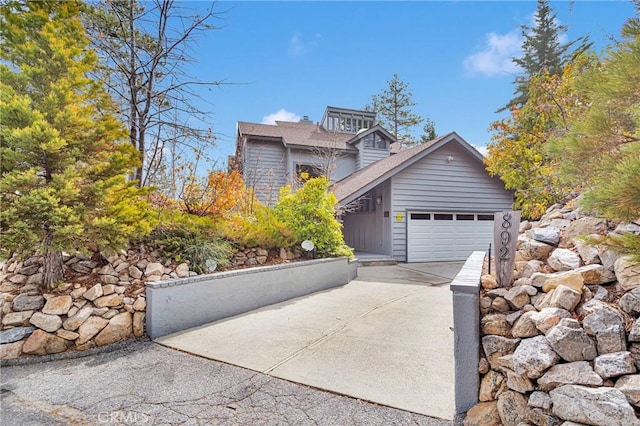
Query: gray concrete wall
(180, 304)
(466, 330)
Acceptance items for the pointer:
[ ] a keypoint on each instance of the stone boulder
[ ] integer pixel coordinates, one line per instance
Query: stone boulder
(512, 407)
(119, 328)
(483, 414)
(492, 385)
(630, 302)
(533, 357)
(93, 293)
(24, 302)
(548, 282)
(546, 235)
(518, 296)
(58, 305)
(15, 334)
(596, 274)
(614, 365)
(593, 406)
(573, 373)
(630, 387)
(607, 325)
(563, 297)
(497, 346)
(534, 250)
(72, 323)
(154, 269)
(588, 253)
(18, 319)
(41, 343)
(627, 272)
(525, 326)
(90, 328)
(46, 322)
(495, 324)
(564, 260)
(571, 342)
(546, 318)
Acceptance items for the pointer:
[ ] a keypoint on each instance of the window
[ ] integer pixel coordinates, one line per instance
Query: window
(464, 217)
(442, 216)
(420, 216)
(487, 217)
(307, 171)
(376, 141)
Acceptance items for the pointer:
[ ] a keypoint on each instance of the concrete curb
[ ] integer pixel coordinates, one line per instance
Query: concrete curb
(36, 359)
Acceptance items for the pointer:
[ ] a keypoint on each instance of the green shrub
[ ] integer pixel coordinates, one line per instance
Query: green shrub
(309, 213)
(190, 244)
(259, 229)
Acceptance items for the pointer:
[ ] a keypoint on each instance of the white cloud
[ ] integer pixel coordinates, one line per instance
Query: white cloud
(298, 46)
(281, 115)
(495, 58)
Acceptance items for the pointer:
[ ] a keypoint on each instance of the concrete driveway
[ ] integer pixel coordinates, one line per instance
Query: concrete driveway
(385, 337)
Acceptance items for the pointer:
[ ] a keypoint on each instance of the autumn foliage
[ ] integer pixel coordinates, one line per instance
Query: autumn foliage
(220, 194)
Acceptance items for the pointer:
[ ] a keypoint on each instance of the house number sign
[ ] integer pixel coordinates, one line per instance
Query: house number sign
(505, 236)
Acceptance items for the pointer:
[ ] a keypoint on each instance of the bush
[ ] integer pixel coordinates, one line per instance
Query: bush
(260, 229)
(184, 244)
(309, 213)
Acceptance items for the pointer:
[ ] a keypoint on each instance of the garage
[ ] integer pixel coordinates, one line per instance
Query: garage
(441, 236)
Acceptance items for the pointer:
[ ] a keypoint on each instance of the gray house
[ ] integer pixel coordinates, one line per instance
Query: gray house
(431, 202)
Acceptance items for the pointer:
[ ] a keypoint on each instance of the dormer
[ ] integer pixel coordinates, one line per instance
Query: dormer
(373, 145)
(345, 120)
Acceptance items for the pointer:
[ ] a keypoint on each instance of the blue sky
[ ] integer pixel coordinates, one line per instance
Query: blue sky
(295, 58)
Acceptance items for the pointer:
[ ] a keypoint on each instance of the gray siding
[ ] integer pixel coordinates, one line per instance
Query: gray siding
(371, 155)
(265, 169)
(371, 231)
(342, 164)
(436, 184)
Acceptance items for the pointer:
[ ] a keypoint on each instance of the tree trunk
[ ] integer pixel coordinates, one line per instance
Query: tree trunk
(53, 267)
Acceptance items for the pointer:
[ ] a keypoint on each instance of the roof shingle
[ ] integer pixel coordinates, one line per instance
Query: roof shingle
(302, 134)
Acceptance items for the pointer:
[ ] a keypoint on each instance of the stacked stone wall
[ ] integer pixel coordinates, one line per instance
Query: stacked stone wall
(101, 301)
(561, 345)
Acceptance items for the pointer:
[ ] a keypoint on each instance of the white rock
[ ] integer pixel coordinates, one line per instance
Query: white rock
(607, 325)
(615, 364)
(46, 322)
(564, 260)
(630, 387)
(571, 342)
(533, 357)
(546, 235)
(593, 406)
(573, 373)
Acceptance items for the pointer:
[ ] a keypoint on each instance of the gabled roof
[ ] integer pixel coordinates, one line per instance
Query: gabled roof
(362, 181)
(298, 134)
(377, 128)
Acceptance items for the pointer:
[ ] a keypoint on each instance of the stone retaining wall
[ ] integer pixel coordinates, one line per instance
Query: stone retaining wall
(102, 300)
(562, 344)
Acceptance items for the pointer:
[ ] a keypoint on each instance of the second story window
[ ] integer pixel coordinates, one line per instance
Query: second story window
(376, 141)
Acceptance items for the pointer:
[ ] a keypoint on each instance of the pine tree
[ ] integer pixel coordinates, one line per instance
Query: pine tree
(393, 108)
(64, 155)
(600, 152)
(542, 51)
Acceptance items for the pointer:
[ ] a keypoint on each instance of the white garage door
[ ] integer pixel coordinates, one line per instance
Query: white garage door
(439, 236)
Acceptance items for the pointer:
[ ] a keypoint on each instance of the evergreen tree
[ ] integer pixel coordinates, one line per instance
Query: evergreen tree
(600, 152)
(429, 132)
(64, 156)
(542, 51)
(393, 108)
